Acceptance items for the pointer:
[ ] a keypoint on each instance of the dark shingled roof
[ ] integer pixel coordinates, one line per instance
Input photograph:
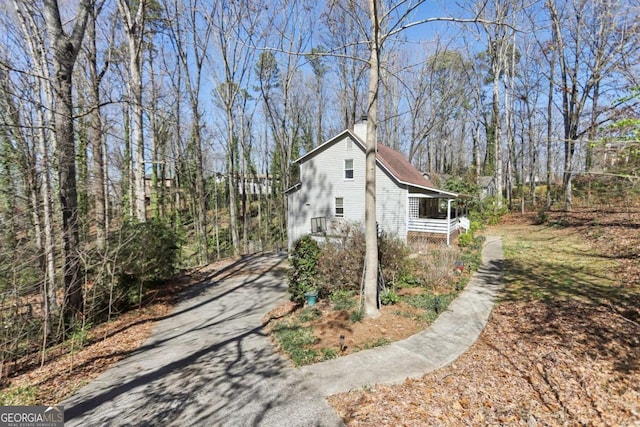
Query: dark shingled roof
(400, 167)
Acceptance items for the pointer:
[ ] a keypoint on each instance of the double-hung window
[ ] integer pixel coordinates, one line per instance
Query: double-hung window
(348, 169)
(339, 207)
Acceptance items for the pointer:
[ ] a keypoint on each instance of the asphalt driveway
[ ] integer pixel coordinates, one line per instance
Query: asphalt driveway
(209, 363)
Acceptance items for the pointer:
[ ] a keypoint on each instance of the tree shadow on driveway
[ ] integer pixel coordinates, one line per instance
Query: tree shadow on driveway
(207, 363)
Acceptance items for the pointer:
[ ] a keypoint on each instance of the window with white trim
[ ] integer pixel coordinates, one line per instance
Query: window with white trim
(348, 169)
(339, 207)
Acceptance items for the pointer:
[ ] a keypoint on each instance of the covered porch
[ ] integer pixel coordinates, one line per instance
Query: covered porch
(436, 217)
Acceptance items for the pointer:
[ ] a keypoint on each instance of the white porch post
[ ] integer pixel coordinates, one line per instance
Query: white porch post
(448, 221)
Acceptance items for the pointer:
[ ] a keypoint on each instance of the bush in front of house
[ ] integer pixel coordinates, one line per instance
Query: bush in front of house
(340, 264)
(304, 268)
(465, 239)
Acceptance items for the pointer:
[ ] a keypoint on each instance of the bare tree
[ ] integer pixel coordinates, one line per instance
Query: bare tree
(595, 41)
(191, 39)
(65, 51)
(346, 24)
(96, 128)
(233, 26)
(39, 184)
(278, 73)
(134, 18)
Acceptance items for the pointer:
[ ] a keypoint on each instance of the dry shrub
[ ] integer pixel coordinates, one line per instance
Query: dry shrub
(434, 267)
(396, 266)
(341, 260)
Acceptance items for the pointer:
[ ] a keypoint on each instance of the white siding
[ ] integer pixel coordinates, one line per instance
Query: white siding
(391, 201)
(322, 180)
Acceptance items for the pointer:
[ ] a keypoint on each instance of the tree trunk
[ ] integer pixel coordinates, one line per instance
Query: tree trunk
(65, 51)
(549, 163)
(232, 183)
(134, 29)
(95, 136)
(371, 308)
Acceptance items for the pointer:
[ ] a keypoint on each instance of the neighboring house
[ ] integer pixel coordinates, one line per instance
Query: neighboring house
(148, 187)
(487, 186)
(332, 188)
(255, 184)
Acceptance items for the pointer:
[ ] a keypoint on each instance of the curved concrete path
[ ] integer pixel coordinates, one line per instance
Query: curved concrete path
(209, 362)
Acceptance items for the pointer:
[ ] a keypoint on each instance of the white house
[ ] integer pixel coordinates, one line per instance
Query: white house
(332, 190)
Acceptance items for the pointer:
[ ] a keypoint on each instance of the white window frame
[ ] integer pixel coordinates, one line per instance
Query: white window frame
(347, 170)
(339, 206)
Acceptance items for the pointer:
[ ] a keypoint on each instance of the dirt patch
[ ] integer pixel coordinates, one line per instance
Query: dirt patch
(343, 332)
(395, 323)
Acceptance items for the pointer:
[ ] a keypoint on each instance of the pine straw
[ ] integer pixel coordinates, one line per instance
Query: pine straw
(532, 363)
(68, 370)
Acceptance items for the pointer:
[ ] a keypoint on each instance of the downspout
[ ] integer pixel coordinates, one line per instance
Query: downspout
(448, 221)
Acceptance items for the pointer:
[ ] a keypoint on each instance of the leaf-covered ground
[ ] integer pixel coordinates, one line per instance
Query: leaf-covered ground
(562, 345)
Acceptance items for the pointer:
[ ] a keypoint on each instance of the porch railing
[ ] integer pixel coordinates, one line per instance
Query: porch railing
(432, 225)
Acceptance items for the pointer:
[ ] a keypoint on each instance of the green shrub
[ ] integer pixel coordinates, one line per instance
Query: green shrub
(542, 217)
(465, 239)
(474, 226)
(310, 313)
(146, 251)
(342, 299)
(432, 304)
(140, 255)
(356, 315)
(472, 254)
(389, 297)
(329, 353)
(304, 268)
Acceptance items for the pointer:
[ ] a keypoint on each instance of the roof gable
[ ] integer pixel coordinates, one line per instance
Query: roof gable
(395, 163)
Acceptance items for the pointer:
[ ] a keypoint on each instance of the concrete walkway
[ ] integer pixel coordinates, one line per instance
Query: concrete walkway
(209, 362)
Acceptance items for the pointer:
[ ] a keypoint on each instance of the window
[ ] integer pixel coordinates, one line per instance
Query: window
(318, 225)
(424, 208)
(339, 207)
(348, 169)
